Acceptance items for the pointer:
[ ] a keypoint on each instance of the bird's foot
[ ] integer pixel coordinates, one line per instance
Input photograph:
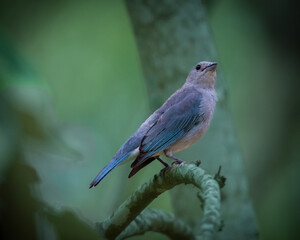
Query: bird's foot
(164, 163)
(163, 171)
(177, 160)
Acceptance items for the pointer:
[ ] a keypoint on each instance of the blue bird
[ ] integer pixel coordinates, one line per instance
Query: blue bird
(177, 124)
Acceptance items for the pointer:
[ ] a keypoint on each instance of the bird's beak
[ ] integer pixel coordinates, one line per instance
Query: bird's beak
(212, 66)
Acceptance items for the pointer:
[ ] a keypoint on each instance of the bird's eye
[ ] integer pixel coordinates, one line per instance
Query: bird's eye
(198, 67)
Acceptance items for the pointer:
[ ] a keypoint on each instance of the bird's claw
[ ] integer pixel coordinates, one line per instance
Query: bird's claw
(163, 171)
(176, 162)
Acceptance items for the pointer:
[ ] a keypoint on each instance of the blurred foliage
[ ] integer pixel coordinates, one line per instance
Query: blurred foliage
(72, 91)
(256, 43)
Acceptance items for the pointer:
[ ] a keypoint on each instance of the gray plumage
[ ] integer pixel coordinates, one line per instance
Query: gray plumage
(177, 124)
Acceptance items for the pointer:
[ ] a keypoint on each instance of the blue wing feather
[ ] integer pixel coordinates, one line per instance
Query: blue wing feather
(173, 125)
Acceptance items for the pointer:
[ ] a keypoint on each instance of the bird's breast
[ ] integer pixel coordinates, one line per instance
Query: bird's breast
(206, 111)
(189, 138)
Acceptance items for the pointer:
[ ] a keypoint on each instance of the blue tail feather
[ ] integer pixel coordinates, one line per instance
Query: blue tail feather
(107, 169)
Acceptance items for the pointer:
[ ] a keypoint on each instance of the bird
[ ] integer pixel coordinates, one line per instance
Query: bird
(180, 122)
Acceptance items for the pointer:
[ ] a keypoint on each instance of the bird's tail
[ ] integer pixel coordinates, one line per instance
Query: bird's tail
(109, 167)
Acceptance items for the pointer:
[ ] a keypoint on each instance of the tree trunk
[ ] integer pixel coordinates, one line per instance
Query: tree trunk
(172, 36)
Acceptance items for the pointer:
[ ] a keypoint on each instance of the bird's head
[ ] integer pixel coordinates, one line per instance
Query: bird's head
(203, 75)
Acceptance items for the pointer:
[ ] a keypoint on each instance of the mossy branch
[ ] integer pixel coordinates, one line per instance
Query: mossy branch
(158, 221)
(186, 173)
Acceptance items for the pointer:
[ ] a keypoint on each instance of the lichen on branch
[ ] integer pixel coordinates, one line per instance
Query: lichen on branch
(184, 173)
(158, 221)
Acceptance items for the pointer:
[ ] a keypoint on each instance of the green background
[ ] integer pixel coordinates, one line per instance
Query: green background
(72, 91)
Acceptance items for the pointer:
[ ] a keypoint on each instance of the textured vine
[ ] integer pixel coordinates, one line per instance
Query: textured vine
(125, 219)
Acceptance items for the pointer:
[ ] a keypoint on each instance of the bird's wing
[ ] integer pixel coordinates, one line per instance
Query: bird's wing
(173, 123)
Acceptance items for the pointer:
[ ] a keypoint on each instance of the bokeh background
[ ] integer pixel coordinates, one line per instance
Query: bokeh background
(72, 90)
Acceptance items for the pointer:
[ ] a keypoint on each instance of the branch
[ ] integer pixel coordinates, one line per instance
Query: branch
(187, 173)
(158, 221)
